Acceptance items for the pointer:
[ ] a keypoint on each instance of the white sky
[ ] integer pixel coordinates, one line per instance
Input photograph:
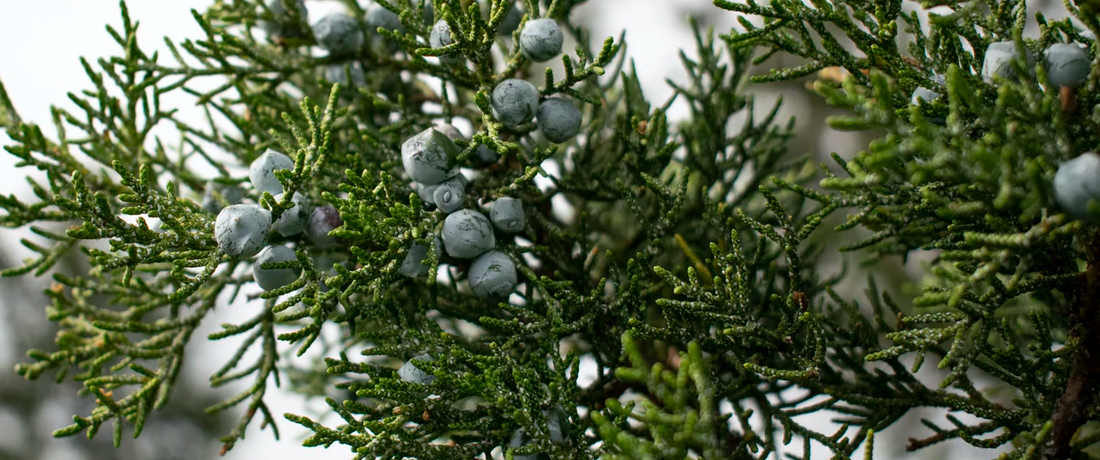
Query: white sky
(43, 39)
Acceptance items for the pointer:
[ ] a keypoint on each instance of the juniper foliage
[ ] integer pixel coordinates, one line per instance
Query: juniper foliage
(689, 270)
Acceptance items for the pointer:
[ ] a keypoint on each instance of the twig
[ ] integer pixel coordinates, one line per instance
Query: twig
(9, 119)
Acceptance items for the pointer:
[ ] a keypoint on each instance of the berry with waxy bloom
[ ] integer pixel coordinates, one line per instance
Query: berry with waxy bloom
(514, 102)
(1076, 183)
(338, 34)
(323, 220)
(294, 220)
(426, 193)
(486, 154)
(467, 234)
(413, 266)
(241, 229)
(410, 373)
(440, 37)
(274, 278)
(558, 120)
(449, 195)
(541, 39)
(492, 275)
(429, 157)
(507, 215)
(379, 17)
(1067, 65)
(262, 171)
(998, 61)
(925, 94)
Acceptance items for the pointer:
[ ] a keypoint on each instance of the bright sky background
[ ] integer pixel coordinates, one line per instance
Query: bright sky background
(43, 39)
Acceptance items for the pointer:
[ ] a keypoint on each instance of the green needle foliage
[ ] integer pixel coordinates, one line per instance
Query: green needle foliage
(689, 273)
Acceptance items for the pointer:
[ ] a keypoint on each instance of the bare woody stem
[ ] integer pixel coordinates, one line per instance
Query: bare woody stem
(1084, 380)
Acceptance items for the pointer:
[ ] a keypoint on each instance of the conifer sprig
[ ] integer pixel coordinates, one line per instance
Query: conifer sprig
(690, 268)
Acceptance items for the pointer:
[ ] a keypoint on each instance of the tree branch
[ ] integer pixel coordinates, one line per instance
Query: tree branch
(1080, 393)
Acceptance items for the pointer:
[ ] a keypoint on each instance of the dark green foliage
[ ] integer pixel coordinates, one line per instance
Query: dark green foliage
(691, 272)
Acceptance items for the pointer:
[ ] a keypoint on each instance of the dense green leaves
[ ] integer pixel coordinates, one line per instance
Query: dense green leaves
(690, 269)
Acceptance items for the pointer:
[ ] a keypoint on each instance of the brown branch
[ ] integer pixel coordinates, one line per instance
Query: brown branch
(1084, 379)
